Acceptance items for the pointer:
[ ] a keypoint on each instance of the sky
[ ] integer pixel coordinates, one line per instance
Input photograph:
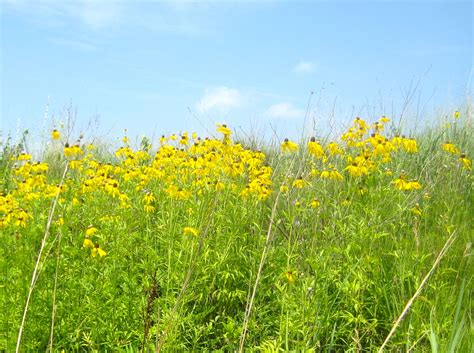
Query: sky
(262, 67)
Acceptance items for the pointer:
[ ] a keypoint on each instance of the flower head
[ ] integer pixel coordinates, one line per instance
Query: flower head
(91, 231)
(466, 162)
(288, 146)
(190, 231)
(97, 250)
(290, 277)
(55, 135)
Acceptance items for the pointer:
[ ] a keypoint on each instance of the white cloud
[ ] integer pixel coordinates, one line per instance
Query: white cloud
(304, 67)
(79, 45)
(91, 13)
(98, 14)
(168, 16)
(284, 111)
(220, 98)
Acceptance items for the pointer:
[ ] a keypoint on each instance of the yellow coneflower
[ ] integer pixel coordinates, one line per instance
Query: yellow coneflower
(148, 208)
(346, 202)
(288, 146)
(24, 157)
(91, 231)
(315, 148)
(356, 170)
(290, 277)
(88, 243)
(314, 172)
(190, 231)
(417, 210)
(450, 147)
(148, 197)
(299, 183)
(360, 123)
(223, 129)
(466, 162)
(410, 145)
(402, 184)
(335, 175)
(315, 203)
(97, 250)
(55, 135)
(335, 149)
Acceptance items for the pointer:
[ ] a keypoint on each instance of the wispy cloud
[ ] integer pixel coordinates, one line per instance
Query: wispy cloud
(220, 98)
(167, 16)
(99, 14)
(284, 110)
(304, 67)
(91, 13)
(78, 45)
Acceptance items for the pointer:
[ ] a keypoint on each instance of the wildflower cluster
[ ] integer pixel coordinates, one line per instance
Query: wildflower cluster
(454, 150)
(180, 169)
(29, 186)
(96, 249)
(363, 150)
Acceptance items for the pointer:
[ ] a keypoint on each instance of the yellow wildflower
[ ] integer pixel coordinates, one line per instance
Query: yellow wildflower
(360, 123)
(402, 184)
(60, 221)
(223, 129)
(149, 197)
(346, 201)
(148, 208)
(410, 145)
(356, 170)
(290, 277)
(190, 231)
(335, 149)
(288, 146)
(315, 148)
(325, 174)
(315, 203)
(417, 210)
(466, 162)
(450, 147)
(55, 135)
(91, 231)
(299, 183)
(335, 175)
(24, 157)
(97, 250)
(88, 243)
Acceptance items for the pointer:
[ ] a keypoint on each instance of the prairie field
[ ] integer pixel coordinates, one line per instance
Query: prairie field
(361, 243)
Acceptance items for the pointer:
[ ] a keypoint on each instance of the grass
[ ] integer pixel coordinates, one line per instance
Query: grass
(279, 254)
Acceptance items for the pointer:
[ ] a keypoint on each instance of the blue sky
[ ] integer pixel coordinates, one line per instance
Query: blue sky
(167, 66)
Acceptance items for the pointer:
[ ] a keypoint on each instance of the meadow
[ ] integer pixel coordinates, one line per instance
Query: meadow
(358, 244)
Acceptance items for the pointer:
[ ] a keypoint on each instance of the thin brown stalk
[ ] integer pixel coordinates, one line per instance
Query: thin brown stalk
(441, 254)
(248, 309)
(53, 313)
(38, 260)
(266, 248)
(184, 287)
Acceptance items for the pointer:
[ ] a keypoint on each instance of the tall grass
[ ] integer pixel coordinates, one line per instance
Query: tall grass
(333, 278)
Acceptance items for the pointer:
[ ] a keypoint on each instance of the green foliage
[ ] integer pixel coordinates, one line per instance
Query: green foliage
(336, 277)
